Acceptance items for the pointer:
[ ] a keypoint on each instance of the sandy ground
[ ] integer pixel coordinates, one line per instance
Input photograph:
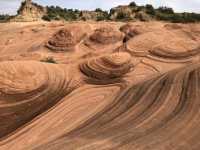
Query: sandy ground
(119, 86)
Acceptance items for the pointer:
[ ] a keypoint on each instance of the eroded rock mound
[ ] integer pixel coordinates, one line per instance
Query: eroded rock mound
(176, 49)
(122, 12)
(66, 39)
(129, 31)
(106, 35)
(141, 44)
(160, 44)
(103, 37)
(107, 67)
(28, 89)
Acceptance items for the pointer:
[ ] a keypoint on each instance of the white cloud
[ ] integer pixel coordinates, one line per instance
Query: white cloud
(181, 5)
(9, 6)
(187, 5)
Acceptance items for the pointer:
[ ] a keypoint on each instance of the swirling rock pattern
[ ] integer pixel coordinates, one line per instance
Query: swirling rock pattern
(141, 44)
(106, 35)
(161, 45)
(176, 49)
(140, 94)
(107, 67)
(160, 114)
(27, 89)
(66, 39)
(130, 31)
(103, 37)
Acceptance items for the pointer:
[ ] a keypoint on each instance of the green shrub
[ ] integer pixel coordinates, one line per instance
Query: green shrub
(100, 18)
(103, 15)
(179, 17)
(133, 4)
(49, 60)
(166, 10)
(84, 19)
(191, 17)
(98, 10)
(150, 10)
(162, 13)
(4, 18)
(122, 16)
(140, 8)
(46, 18)
(58, 13)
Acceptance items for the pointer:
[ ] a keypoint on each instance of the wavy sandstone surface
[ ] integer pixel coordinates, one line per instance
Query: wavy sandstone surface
(99, 86)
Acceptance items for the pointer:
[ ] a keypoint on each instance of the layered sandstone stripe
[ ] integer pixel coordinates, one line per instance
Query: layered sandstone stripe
(66, 39)
(107, 67)
(105, 37)
(27, 89)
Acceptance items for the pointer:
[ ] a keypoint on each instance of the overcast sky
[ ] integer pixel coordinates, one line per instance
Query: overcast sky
(10, 6)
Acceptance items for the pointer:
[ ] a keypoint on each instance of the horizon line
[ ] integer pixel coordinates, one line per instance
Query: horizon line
(14, 12)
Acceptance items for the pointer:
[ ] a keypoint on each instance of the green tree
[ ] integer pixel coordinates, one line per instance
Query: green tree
(122, 16)
(133, 4)
(150, 10)
(49, 60)
(98, 10)
(166, 10)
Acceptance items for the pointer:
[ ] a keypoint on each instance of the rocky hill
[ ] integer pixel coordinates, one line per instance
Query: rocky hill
(98, 15)
(29, 11)
(129, 12)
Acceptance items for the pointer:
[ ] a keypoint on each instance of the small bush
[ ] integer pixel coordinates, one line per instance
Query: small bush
(179, 17)
(122, 16)
(140, 8)
(166, 10)
(103, 15)
(190, 17)
(49, 60)
(4, 18)
(100, 18)
(150, 10)
(98, 10)
(83, 19)
(46, 18)
(162, 13)
(58, 13)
